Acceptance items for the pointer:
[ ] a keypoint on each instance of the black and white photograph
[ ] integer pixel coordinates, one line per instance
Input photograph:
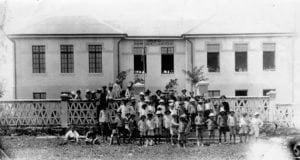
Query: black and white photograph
(149, 79)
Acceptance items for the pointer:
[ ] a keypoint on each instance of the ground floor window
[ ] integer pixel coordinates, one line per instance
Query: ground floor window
(214, 93)
(241, 93)
(39, 95)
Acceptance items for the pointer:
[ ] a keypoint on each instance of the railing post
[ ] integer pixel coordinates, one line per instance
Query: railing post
(272, 106)
(64, 113)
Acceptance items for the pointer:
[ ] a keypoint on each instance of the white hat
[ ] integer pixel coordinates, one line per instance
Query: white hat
(256, 113)
(211, 115)
(222, 109)
(158, 112)
(87, 90)
(171, 104)
(142, 93)
(161, 101)
(147, 100)
(170, 100)
(192, 100)
(73, 92)
(132, 98)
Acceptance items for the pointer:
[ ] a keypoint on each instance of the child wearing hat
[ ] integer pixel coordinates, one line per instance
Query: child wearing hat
(183, 122)
(244, 127)
(232, 124)
(256, 123)
(167, 121)
(158, 119)
(174, 127)
(199, 122)
(222, 125)
(211, 124)
(192, 111)
(161, 106)
(150, 129)
(115, 121)
(142, 129)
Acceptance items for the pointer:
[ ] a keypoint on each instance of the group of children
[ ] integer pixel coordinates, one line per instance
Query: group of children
(172, 118)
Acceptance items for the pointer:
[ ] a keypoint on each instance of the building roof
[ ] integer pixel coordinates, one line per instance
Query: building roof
(69, 25)
(147, 18)
(235, 24)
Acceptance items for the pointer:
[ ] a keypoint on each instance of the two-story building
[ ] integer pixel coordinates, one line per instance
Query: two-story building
(68, 53)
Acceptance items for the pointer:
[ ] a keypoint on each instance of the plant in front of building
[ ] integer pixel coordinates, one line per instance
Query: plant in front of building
(196, 75)
(122, 76)
(172, 84)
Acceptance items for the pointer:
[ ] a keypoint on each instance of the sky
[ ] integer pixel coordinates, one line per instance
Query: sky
(30, 11)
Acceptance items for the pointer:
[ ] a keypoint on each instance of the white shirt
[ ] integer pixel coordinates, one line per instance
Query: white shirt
(72, 134)
(162, 107)
(208, 106)
(167, 121)
(199, 107)
(123, 110)
(243, 122)
(257, 122)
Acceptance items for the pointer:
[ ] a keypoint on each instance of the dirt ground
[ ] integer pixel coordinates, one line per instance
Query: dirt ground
(29, 147)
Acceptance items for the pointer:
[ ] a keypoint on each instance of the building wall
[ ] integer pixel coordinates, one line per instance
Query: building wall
(53, 81)
(227, 80)
(154, 79)
(255, 79)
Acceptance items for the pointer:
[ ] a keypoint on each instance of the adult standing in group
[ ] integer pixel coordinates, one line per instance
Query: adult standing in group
(225, 104)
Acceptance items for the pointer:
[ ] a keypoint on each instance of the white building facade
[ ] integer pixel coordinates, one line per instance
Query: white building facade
(52, 60)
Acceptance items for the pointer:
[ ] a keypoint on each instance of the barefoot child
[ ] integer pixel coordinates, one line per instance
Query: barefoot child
(143, 129)
(167, 119)
(256, 123)
(174, 127)
(115, 132)
(222, 125)
(150, 129)
(244, 128)
(199, 122)
(72, 135)
(232, 124)
(183, 122)
(158, 125)
(211, 124)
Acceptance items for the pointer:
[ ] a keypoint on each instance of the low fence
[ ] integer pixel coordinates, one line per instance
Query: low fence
(57, 113)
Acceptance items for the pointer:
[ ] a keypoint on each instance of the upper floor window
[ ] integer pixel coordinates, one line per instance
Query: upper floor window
(167, 60)
(67, 58)
(241, 93)
(213, 60)
(39, 95)
(268, 56)
(95, 58)
(38, 59)
(140, 60)
(241, 64)
(214, 93)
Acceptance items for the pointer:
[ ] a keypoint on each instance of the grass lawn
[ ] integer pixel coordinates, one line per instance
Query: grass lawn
(30, 147)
